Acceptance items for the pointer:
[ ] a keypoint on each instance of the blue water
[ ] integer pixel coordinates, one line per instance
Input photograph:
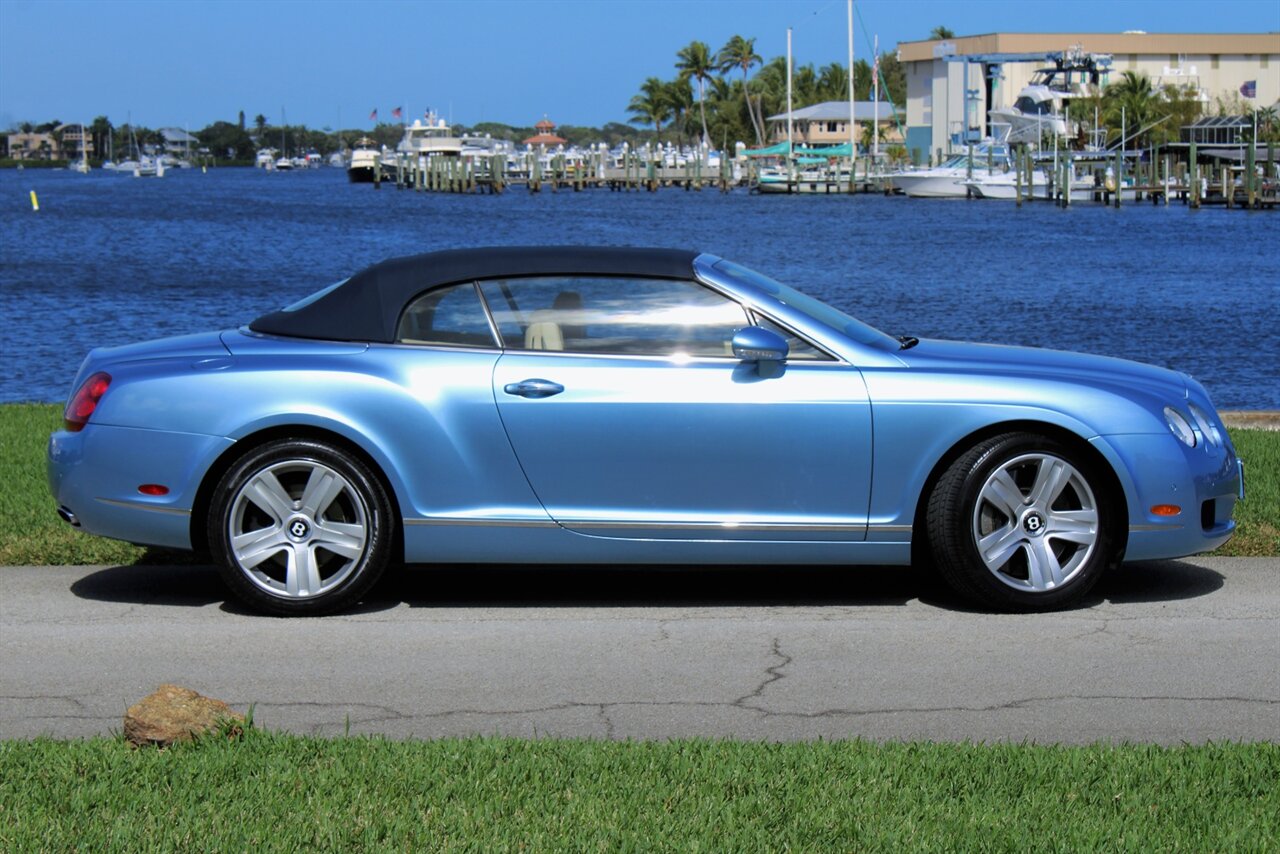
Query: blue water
(111, 259)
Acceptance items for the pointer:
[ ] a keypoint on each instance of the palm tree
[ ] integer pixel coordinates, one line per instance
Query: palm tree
(260, 122)
(941, 32)
(741, 53)
(1132, 100)
(680, 99)
(833, 82)
(695, 61)
(651, 106)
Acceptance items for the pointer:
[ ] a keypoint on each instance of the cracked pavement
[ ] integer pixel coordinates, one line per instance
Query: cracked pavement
(1166, 652)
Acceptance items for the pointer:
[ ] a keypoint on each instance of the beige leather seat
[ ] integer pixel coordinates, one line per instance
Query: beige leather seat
(543, 332)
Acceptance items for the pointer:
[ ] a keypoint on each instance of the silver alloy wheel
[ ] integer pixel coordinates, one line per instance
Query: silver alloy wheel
(297, 529)
(1035, 523)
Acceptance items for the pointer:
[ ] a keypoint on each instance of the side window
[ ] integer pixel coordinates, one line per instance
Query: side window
(798, 348)
(451, 315)
(627, 316)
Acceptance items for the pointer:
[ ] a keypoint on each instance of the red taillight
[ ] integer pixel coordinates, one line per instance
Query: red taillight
(84, 401)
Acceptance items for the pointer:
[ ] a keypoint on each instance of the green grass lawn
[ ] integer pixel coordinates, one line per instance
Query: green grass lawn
(290, 793)
(32, 534)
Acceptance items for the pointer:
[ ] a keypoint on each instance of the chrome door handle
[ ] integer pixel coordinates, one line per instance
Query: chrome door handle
(533, 388)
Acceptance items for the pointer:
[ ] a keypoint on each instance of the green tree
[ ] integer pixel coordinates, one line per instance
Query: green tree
(679, 98)
(1131, 103)
(739, 53)
(861, 80)
(225, 139)
(651, 106)
(833, 82)
(938, 33)
(893, 78)
(695, 61)
(100, 132)
(260, 122)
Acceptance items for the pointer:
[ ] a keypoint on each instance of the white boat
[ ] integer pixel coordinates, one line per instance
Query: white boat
(266, 158)
(431, 137)
(284, 164)
(1041, 106)
(366, 160)
(148, 167)
(947, 180)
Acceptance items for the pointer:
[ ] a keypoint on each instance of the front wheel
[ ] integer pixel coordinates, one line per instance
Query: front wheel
(300, 528)
(1022, 523)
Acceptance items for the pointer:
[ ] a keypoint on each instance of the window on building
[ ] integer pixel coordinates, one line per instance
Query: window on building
(1213, 61)
(1264, 60)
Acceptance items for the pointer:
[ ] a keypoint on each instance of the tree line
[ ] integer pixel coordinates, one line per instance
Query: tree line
(716, 97)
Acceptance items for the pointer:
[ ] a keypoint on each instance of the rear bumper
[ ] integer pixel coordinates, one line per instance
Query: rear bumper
(94, 476)
(1204, 481)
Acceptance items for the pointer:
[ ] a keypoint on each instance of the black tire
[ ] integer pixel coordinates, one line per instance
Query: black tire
(1042, 552)
(285, 558)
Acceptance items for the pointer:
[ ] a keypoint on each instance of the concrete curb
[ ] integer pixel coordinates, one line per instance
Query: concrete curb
(1253, 419)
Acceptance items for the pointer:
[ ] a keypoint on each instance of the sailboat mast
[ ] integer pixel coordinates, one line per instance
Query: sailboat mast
(853, 127)
(790, 145)
(875, 98)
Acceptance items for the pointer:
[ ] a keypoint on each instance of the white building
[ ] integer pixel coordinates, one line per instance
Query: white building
(940, 115)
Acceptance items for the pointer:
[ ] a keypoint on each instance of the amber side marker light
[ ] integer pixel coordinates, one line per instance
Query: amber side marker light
(153, 489)
(1166, 509)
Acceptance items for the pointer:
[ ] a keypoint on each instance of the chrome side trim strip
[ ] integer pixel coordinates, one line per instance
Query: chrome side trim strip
(1148, 528)
(597, 524)
(492, 523)
(142, 505)
(710, 526)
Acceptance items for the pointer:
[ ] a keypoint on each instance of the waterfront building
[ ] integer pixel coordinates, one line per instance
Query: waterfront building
(827, 123)
(953, 83)
(62, 143)
(545, 134)
(177, 141)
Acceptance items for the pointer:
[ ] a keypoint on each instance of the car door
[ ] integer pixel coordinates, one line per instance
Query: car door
(631, 417)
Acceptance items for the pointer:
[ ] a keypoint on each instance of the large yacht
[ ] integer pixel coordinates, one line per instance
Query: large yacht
(430, 137)
(1041, 106)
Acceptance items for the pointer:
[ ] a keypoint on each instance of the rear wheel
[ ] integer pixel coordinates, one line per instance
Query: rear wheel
(300, 528)
(1022, 523)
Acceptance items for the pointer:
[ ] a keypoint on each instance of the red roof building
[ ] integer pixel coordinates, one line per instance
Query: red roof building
(544, 135)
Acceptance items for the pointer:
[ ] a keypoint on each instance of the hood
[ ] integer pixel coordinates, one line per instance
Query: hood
(996, 359)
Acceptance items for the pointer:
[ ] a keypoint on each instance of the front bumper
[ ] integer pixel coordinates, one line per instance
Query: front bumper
(1204, 481)
(94, 476)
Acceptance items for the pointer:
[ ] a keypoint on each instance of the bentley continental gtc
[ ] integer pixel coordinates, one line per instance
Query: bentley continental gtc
(629, 406)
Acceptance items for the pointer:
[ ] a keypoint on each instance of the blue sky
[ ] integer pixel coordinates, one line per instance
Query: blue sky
(191, 62)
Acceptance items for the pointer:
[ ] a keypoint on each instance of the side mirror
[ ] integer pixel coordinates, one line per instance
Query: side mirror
(757, 344)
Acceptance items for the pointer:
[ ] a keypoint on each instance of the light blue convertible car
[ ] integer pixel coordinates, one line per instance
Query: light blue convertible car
(619, 405)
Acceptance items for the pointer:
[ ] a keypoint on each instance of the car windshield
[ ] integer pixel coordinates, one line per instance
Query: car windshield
(814, 309)
(307, 300)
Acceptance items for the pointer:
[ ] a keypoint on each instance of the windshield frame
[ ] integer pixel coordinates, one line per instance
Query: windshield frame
(816, 314)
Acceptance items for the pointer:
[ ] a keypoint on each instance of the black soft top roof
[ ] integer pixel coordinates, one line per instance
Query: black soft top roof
(367, 306)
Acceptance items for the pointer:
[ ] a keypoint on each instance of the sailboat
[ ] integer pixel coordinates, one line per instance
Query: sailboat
(81, 165)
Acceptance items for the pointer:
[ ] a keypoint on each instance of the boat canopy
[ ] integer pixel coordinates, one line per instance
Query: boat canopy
(782, 148)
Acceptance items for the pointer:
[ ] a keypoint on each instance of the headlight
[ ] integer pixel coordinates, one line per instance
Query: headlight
(1180, 426)
(1206, 425)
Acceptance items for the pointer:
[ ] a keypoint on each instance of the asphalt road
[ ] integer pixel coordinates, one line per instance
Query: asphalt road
(1164, 652)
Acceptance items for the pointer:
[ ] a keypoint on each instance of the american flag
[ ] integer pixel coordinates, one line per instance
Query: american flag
(396, 113)
(1249, 88)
